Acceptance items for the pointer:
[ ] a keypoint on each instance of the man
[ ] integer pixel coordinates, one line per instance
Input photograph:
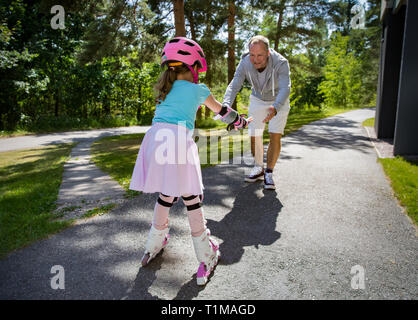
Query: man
(269, 76)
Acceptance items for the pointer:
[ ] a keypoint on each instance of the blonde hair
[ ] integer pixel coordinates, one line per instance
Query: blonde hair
(258, 39)
(166, 80)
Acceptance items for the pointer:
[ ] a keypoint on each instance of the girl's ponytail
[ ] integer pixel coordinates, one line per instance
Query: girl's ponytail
(166, 80)
(164, 84)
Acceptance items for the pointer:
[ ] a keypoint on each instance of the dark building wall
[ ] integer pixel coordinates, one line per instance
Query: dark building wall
(390, 64)
(406, 129)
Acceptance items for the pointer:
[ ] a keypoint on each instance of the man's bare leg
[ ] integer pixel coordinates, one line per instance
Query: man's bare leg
(257, 150)
(273, 151)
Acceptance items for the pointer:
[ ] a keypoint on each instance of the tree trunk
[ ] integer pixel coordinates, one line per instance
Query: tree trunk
(348, 18)
(199, 114)
(279, 26)
(56, 103)
(179, 21)
(208, 52)
(231, 44)
(85, 115)
(138, 110)
(192, 26)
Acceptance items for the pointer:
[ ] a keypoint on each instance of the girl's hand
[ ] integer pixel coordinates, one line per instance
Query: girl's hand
(246, 124)
(242, 123)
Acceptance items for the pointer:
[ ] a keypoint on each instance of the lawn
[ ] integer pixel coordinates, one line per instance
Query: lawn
(368, 122)
(403, 175)
(116, 155)
(29, 186)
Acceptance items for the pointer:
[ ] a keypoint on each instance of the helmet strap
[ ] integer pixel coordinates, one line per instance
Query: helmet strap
(195, 74)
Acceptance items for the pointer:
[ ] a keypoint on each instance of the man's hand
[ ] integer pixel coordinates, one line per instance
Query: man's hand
(272, 113)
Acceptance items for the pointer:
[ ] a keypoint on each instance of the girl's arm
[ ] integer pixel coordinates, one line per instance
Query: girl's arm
(226, 114)
(213, 104)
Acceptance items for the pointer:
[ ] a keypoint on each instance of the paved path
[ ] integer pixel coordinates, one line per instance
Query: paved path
(333, 213)
(85, 186)
(39, 140)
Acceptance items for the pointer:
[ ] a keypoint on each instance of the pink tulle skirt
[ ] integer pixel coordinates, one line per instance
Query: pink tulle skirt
(168, 162)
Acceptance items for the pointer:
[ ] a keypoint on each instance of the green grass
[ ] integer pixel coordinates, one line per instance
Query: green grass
(99, 211)
(403, 175)
(117, 156)
(368, 122)
(216, 146)
(48, 124)
(209, 124)
(29, 185)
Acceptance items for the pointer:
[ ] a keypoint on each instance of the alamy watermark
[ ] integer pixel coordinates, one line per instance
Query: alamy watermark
(58, 280)
(359, 20)
(58, 20)
(358, 278)
(177, 145)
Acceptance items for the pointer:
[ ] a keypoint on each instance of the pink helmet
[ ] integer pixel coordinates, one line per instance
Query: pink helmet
(184, 50)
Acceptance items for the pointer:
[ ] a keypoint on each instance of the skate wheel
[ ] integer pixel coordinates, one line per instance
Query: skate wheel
(166, 240)
(145, 259)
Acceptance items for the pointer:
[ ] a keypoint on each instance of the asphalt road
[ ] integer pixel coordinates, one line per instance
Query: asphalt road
(331, 227)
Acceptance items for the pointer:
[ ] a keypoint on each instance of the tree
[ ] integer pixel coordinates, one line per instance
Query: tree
(205, 20)
(179, 21)
(27, 36)
(343, 80)
(231, 44)
(339, 13)
(295, 21)
(118, 27)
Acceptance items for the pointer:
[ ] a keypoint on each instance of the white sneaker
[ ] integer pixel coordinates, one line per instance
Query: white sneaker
(268, 181)
(257, 173)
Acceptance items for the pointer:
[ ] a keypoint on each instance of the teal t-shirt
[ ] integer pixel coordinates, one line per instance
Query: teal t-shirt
(181, 103)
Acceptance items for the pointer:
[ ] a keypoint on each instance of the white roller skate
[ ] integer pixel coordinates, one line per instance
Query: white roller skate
(207, 253)
(157, 240)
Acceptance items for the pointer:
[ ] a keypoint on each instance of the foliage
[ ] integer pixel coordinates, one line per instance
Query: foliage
(343, 81)
(100, 69)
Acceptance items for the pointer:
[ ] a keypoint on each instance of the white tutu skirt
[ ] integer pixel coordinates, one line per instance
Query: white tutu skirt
(168, 162)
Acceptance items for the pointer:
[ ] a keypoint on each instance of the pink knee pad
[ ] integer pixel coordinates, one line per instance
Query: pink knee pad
(195, 214)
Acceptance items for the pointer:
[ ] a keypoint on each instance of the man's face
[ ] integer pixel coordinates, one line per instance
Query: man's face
(259, 55)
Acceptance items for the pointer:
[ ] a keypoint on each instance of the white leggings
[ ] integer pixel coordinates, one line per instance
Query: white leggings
(195, 215)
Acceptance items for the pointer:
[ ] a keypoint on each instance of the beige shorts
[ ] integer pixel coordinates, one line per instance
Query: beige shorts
(259, 109)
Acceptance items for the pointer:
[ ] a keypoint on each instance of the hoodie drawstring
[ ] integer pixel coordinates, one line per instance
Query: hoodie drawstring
(251, 80)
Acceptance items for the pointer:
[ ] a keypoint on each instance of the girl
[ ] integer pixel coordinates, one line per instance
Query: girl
(168, 160)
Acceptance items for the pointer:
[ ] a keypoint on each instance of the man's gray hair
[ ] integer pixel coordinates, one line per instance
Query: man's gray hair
(258, 39)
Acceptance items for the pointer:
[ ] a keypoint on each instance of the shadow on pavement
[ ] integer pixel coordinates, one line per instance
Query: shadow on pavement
(144, 280)
(331, 134)
(251, 222)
